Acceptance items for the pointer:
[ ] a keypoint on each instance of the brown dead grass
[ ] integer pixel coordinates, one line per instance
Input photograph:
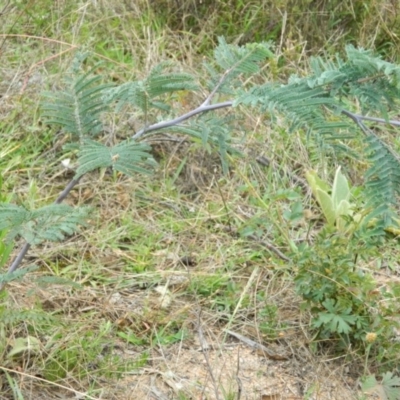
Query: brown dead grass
(209, 365)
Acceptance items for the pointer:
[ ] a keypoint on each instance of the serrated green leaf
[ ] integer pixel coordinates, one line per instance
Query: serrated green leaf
(391, 386)
(368, 384)
(387, 389)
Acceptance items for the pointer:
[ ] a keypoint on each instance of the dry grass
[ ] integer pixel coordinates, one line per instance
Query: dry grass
(164, 269)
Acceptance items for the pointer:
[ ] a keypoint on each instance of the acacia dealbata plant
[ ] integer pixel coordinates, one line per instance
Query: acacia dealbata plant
(322, 104)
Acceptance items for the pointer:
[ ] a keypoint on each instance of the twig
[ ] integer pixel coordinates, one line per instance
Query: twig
(220, 83)
(257, 346)
(357, 118)
(205, 108)
(66, 191)
(17, 261)
(270, 247)
(176, 121)
(217, 86)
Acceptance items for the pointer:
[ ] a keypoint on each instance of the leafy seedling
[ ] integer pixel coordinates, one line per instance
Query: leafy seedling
(334, 202)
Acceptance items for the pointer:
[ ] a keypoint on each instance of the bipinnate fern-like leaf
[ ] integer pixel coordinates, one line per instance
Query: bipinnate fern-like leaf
(214, 134)
(303, 107)
(241, 59)
(235, 61)
(16, 275)
(383, 177)
(364, 77)
(146, 94)
(128, 157)
(77, 108)
(51, 222)
(314, 102)
(159, 82)
(13, 316)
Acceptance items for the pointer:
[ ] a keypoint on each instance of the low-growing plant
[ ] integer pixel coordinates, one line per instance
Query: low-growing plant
(330, 278)
(348, 306)
(335, 201)
(330, 281)
(346, 302)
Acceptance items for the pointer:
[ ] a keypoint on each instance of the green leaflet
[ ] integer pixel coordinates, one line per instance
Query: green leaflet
(128, 157)
(147, 94)
(78, 107)
(51, 222)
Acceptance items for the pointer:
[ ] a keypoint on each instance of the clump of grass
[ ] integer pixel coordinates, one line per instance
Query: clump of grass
(372, 24)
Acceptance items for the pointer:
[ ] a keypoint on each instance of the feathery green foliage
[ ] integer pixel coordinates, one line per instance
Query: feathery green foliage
(233, 62)
(241, 59)
(383, 177)
(16, 275)
(318, 104)
(127, 157)
(77, 108)
(11, 317)
(147, 94)
(214, 134)
(363, 76)
(51, 222)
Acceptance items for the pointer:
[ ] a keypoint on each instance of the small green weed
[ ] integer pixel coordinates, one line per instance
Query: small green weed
(345, 300)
